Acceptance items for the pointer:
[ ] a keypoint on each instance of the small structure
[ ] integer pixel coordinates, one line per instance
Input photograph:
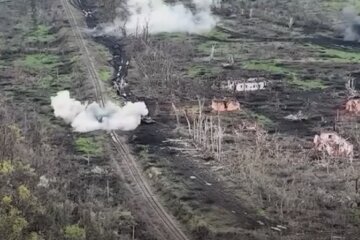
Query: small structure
(225, 105)
(251, 84)
(353, 106)
(299, 116)
(333, 145)
(230, 63)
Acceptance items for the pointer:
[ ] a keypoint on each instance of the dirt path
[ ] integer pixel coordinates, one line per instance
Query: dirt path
(161, 222)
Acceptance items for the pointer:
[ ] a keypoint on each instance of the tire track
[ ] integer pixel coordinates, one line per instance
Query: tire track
(168, 228)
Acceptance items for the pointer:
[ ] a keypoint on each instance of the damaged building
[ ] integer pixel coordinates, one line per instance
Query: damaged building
(333, 145)
(353, 106)
(250, 84)
(225, 105)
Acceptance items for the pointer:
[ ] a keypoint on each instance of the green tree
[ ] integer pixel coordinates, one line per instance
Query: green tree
(12, 223)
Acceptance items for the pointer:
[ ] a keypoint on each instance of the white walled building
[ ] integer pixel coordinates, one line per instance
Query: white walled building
(251, 84)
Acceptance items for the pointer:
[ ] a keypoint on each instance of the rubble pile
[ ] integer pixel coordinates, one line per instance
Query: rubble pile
(333, 145)
(353, 106)
(299, 116)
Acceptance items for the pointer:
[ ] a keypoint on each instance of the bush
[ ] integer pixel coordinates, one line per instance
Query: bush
(24, 192)
(74, 232)
(6, 167)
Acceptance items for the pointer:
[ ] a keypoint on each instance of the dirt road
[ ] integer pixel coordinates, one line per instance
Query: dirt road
(161, 222)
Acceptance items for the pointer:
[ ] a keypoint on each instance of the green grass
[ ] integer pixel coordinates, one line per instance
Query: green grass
(268, 66)
(39, 61)
(307, 84)
(54, 84)
(195, 71)
(41, 34)
(340, 4)
(101, 52)
(262, 119)
(89, 146)
(178, 36)
(218, 34)
(257, 117)
(105, 74)
(205, 47)
(334, 55)
(238, 50)
(292, 76)
(340, 56)
(222, 49)
(45, 82)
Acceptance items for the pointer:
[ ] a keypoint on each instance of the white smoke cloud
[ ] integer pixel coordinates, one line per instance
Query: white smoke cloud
(86, 118)
(66, 107)
(351, 24)
(159, 17)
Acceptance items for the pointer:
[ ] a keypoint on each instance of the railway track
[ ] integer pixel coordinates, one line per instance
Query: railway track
(164, 225)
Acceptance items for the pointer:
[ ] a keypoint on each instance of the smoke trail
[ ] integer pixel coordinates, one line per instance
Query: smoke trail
(351, 24)
(86, 118)
(157, 17)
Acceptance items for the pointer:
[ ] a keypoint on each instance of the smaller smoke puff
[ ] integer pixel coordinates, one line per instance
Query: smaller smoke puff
(86, 118)
(351, 24)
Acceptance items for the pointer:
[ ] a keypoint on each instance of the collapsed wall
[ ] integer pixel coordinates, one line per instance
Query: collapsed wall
(333, 145)
(225, 105)
(353, 106)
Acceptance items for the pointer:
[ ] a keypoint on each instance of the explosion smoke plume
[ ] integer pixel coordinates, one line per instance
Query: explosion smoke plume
(351, 24)
(158, 16)
(90, 117)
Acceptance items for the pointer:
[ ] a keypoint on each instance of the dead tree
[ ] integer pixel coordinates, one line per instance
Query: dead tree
(291, 22)
(211, 57)
(350, 87)
(206, 134)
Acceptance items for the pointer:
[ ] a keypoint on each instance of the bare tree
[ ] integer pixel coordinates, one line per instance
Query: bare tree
(206, 133)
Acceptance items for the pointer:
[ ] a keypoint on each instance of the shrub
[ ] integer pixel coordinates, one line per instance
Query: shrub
(74, 232)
